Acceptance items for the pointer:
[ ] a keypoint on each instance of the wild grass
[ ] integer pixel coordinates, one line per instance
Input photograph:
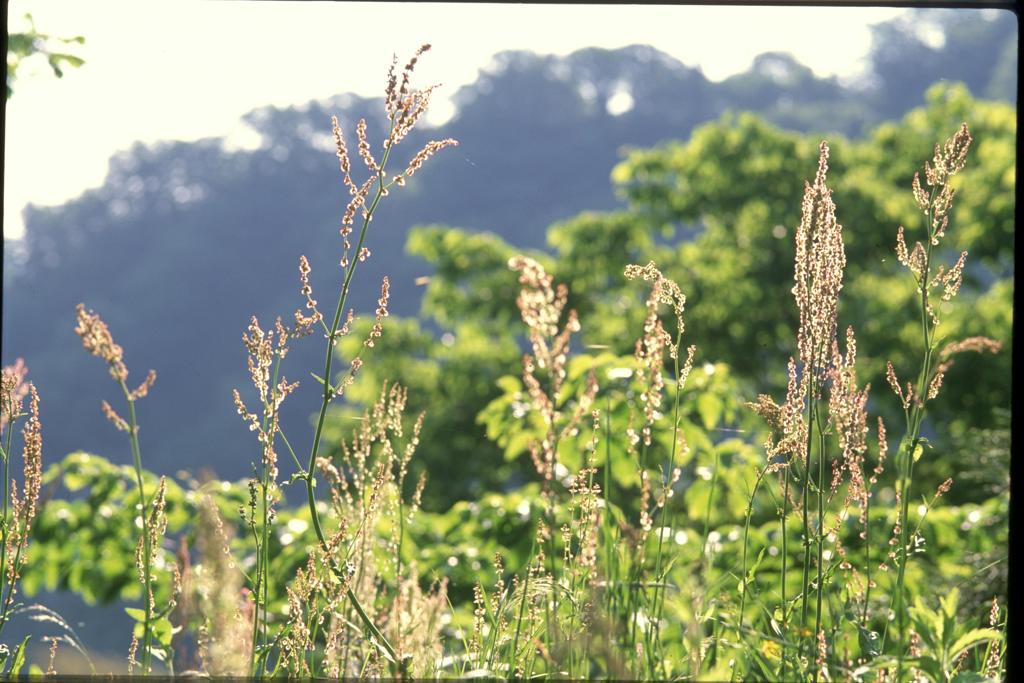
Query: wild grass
(611, 588)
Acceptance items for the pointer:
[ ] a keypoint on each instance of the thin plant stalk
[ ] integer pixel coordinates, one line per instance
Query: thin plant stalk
(746, 534)
(6, 525)
(6, 522)
(310, 476)
(811, 414)
(97, 340)
(331, 338)
(821, 530)
(655, 626)
(519, 619)
(936, 206)
(706, 548)
(607, 519)
(635, 570)
(707, 509)
(133, 435)
(915, 418)
(8, 598)
(867, 558)
(262, 578)
(907, 468)
(782, 583)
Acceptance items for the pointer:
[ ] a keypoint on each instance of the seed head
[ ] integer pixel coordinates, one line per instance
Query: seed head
(848, 410)
(343, 158)
(303, 323)
(953, 278)
(114, 418)
(364, 148)
(920, 195)
(818, 273)
(32, 435)
(143, 389)
(936, 383)
(13, 391)
(769, 411)
(976, 344)
(382, 312)
(97, 340)
(883, 449)
(429, 150)
(890, 376)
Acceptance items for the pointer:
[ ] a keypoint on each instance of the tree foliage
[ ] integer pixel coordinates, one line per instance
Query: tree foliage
(731, 191)
(24, 45)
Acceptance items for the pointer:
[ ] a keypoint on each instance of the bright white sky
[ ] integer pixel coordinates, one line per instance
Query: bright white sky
(185, 70)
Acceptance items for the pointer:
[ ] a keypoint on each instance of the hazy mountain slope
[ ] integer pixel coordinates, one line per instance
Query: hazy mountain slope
(185, 241)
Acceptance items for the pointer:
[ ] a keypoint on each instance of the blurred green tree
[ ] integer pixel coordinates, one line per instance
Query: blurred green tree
(737, 180)
(26, 44)
(730, 196)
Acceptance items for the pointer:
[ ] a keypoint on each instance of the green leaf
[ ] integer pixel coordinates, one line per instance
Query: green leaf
(323, 382)
(74, 481)
(767, 668)
(710, 408)
(517, 445)
(70, 59)
(18, 660)
(929, 665)
(55, 65)
(136, 614)
(753, 569)
(509, 384)
(163, 631)
(928, 623)
(869, 642)
(972, 638)
(949, 602)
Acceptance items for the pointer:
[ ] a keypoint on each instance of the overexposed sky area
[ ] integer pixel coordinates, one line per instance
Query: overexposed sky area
(184, 70)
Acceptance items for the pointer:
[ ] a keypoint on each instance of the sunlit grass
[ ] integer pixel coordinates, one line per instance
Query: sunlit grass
(609, 563)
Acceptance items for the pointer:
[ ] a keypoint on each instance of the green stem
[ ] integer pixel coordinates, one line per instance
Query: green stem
(310, 475)
(331, 339)
(785, 552)
(654, 629)
(291, 451)
(5, 529)
(867, 558)
(811, 414)
(746, 534)
(256, 608)
(707, 512)
(329, 361)
(607, 518)
(519, 620)
(262, 591)
(913, 438)
(9, 598)
(706, 549)
(497, 613)
(635, 567)
(821, 528)
(398, 552)
(133, 433)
